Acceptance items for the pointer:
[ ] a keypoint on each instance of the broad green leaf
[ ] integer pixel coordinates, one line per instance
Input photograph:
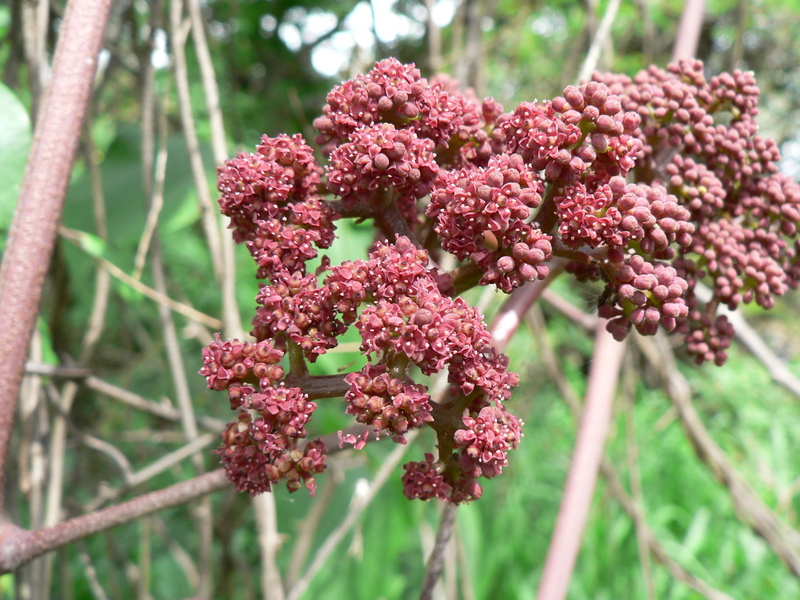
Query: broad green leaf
(15, 142)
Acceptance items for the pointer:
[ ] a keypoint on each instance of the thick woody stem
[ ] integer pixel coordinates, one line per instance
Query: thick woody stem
(44, 187)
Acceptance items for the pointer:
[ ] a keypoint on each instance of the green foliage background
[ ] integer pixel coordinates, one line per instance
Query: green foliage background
(531, 50)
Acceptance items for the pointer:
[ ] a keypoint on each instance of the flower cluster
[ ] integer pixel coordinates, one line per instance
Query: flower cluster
(584, 132)
(652, 185)
(481, 450)
(258, 453)
(411, 318)
(295, 309)
(699, 139)
(485, 441)
(423, 480)
(382, 160)
(392, 406)
(255, 458)
(234, 366)
(482, 214)
(617, 215)
(396, 93)
(647, 295)
(271, 199)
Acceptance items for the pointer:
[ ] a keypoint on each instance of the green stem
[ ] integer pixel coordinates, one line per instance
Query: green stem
(297, 362)
(547, 216)
(466, 277)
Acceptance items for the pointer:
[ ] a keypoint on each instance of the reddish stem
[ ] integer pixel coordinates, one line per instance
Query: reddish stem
(18, 546)
(582, 476)
(319, 386)
(689, 30)
(41, 200)
(509, 317)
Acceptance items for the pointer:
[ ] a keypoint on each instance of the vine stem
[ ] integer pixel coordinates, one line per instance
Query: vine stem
(18, 546)
(41, 201)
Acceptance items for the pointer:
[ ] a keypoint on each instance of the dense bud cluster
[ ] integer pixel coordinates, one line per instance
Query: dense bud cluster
(652, 185)
(255, 458)
(392, 406)
(423, 480)
(411, 321)
(482, 214)
(699, 139)
(295, 309)
(271, 199)
(648, 295)
(485, 441)
(257, 453)
(381, 158)
(396, 93)
(617, 215)
(232, 365)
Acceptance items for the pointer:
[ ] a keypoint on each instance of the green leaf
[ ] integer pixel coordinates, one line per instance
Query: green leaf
(15, 143)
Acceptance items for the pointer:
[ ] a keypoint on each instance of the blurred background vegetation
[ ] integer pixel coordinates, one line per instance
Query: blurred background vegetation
(274, 61)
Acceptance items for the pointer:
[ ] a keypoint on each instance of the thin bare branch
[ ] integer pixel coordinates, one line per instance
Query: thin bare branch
(307, 528)
(32, 459)
(107, 449)
(202, 512)
(436, 559)
(91, 574)
(90, 339)
(628, 389)
(269, 542)
(115, 271)
(510, 315)
(751, 510)
(601, 37)
(161, 410)
(145, 559)
(35, 22)
(752, 341)
(688, 34)
(230, 308)
(157, 194)
(207, 208)
(433, 39)
(179, 554)
(607, 470)
(152, 470)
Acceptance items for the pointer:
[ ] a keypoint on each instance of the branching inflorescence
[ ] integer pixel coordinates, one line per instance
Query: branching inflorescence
(650, 185)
